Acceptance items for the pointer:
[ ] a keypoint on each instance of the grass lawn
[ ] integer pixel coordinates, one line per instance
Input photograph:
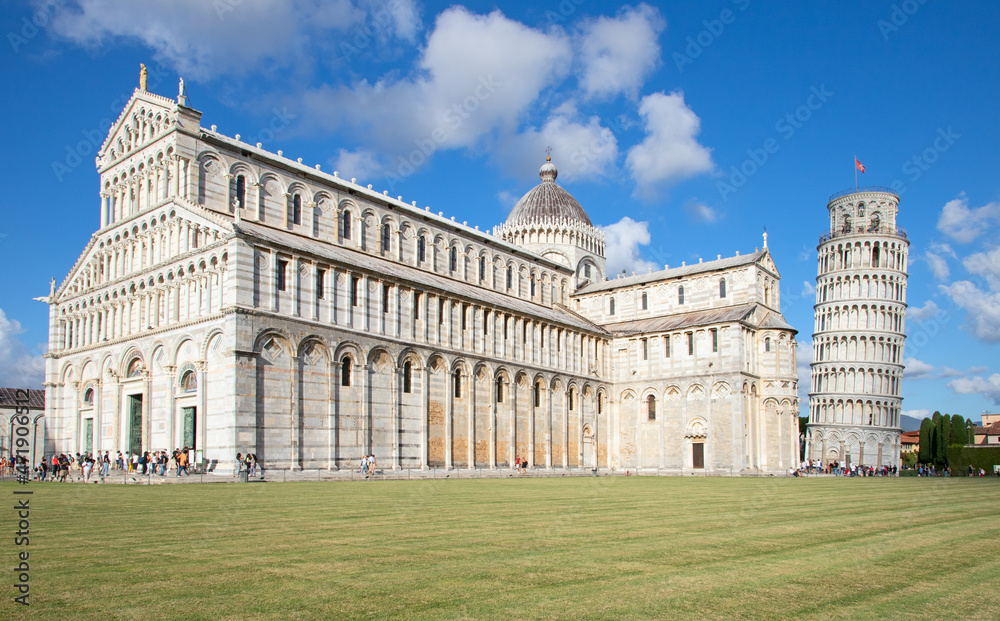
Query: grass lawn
(581, 548)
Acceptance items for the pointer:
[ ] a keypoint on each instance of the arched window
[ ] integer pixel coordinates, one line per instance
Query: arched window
(346, 225)
(346, 366)
(386, 238)
(645, 301)
(876, 221)
(847, 224)
(600, 403)
(458, 383)
(767, 344)
(241, 191)
(407, 377)
(421, 249)
(861, 210)
(680, 295)
(722, 287)
(88, 397)
(532, 285)
(586, 270)
(189, 382)
(611, 307)
(134, 368)
(570, 396)
(482, 269)
(296, 209)
(510, 276)
(651, 407)
(499, 389)
(452, 259)
(538, 394)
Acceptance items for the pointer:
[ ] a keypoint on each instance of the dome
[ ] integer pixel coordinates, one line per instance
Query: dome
(547, 200)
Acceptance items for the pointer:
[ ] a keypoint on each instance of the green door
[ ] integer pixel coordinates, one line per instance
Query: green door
(135, 424)
(189, 417)
(88, 435)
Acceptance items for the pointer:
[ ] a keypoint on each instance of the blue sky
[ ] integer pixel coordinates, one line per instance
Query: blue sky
(649, 112)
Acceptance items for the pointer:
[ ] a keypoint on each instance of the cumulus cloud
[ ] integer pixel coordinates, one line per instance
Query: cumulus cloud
(670, 150)
(207, 39)
(918, 414)
(917, 369)
(580, 147)
(948, 372)
(982, 309)
(963, 224)
(987, 265)
(920, 313)
(622, 240)
(938, 265)
(361, 163)
(477, 74)
(988, 387)
(808, 289)
(19, 367)
(700, 212)
(618, 53)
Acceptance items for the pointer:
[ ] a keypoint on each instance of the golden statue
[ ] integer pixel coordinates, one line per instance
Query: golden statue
(142, 77)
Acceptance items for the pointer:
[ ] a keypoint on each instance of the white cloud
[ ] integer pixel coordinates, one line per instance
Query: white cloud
(621, 247)
(987, 387)
(477, 74)
(964, 225)
(670, 150)
(987, 265)
(702, 213)
(579, 148)
(19, 368)
(920, 313)
(205, 39)
(619, 53)
(918, 414)
(947, 372)
(982, 309)
(361, 163)
(938, 265)
(808, 289)
(917, 369)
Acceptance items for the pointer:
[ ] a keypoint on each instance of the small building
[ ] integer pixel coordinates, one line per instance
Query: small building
(22, 412)
(989, 432)
(909, 442)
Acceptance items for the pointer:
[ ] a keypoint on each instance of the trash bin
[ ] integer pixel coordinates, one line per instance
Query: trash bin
(244, 476)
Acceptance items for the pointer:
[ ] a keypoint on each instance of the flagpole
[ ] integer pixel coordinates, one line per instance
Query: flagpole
(855, 173)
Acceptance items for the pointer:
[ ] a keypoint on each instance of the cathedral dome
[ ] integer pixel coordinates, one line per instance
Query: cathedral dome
(547, 200)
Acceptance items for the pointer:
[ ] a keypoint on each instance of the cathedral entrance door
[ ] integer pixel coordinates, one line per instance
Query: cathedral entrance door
(698, 454)
(135, 424)
(187, 437)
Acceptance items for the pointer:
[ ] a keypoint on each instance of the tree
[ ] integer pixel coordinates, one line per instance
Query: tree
(940, 438)
(924, 454)
(959, 430)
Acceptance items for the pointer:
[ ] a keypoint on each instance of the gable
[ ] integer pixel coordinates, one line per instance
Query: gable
(145, 118)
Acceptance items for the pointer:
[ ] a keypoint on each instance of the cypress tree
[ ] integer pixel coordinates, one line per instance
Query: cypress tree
(959, 430)
(939, 439)
(924, 452)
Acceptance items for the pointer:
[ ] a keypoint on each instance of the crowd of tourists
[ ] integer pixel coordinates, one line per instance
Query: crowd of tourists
(842, 469)
(84, 467)
(248, 463)
(934, 471)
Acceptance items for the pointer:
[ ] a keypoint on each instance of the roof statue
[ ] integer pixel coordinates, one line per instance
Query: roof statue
(181, 93)
(142, 77)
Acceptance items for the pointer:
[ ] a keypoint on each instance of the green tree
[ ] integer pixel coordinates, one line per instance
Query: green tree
(939, 438)
(924, 454)
(959, 430)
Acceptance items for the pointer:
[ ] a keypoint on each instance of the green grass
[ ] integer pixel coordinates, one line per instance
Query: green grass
(582, 548)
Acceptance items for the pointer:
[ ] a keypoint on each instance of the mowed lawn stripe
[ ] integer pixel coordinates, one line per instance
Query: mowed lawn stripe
(581, 548)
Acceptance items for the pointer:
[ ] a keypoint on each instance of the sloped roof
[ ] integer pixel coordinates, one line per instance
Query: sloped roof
(9, 398)
(417, 277)
(547, 200)
(674, 272)
(742, 313)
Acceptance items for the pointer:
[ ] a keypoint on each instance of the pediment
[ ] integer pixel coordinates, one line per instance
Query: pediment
(767, 263)
(146, 117)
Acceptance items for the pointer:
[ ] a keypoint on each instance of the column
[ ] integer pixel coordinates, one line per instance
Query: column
(472, 420)
(173, 438)
(397, 413)
(295, 450)
(104, 209)
(424, 418)
(449, 423)
(548, 429)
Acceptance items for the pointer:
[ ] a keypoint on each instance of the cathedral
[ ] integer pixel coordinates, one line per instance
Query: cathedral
(234, 300)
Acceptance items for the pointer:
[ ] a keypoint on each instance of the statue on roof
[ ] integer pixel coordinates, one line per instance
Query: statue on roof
(143, 75)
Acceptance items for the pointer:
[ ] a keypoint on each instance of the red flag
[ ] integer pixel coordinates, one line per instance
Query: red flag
(859, 165)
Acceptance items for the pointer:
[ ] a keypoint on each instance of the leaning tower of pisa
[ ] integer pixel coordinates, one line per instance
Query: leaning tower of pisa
(855, 398)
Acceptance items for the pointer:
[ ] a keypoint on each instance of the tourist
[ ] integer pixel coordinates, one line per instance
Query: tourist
(371, 464)
(239, 465)
(182, 462)
(88, 467)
